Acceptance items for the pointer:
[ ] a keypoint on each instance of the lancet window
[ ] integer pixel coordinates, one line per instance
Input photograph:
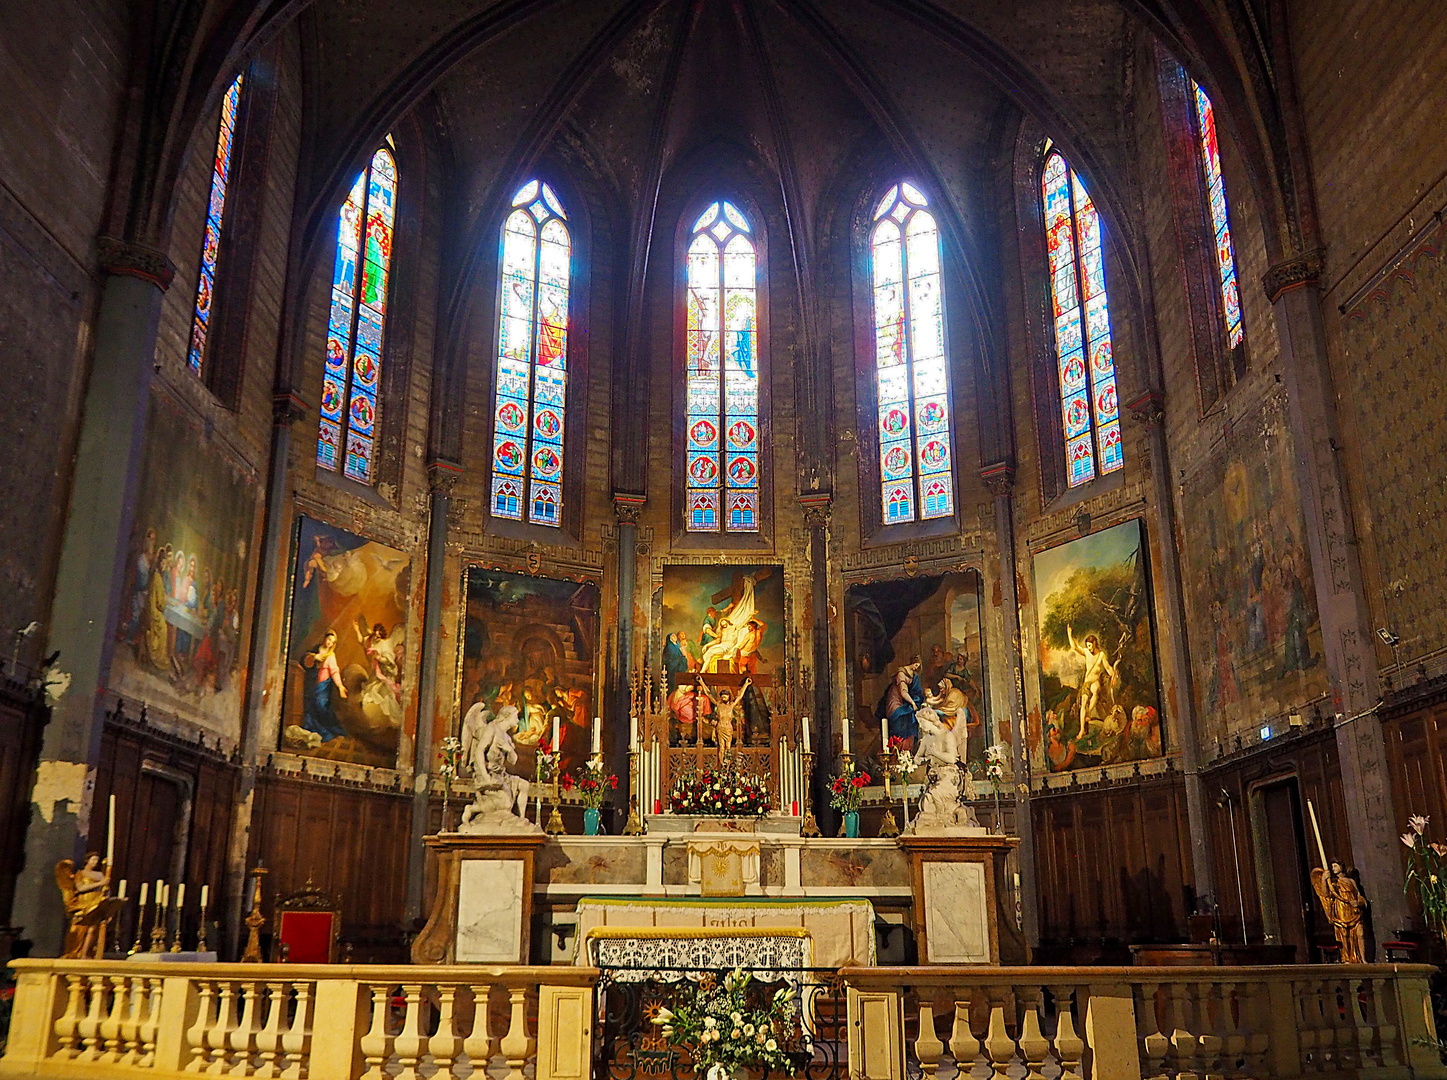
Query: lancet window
(215, 209)
(1220, 225)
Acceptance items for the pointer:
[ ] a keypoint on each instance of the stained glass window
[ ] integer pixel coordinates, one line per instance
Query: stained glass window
(358, 315)
(1216, 198)
(722, 445)
(909, 354)
(532, 359)
(1090, 412)
(206, 279)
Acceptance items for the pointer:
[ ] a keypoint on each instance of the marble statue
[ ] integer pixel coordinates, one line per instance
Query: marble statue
(940, 810)
(499, 801)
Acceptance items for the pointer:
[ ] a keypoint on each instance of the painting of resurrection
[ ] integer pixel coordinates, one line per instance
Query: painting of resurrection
(917, 642)
(723, 632)
(179, 636)
(530, 644)
(1099, 694)
(347, 648)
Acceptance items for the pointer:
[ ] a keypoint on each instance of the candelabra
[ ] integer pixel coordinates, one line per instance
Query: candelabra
(809, 827)
(254, 921)
(889, 827)
(555, 820)
(635, 826)
(201, 932)
(158, 923)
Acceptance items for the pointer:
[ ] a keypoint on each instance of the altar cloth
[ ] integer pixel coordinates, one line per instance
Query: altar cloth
(842, 930)
(663, 954)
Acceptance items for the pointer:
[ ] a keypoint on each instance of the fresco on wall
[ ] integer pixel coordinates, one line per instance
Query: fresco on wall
(347, 647)
(179, 644)
(723, 627)
(1255, 635)
(1097, 653)
(913, 642)
(531, 644)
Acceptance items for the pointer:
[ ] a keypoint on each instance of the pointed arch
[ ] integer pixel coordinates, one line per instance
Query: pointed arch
(356, 324)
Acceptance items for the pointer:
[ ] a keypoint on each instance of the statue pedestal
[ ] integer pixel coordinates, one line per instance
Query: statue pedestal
(482, 907)
(959, 917)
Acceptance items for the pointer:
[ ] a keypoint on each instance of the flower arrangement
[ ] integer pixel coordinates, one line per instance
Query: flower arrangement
(449, 760)
(713, 792)
(723, 1031)
(902, 764)
(847, 789)
(547, 762)
(1427, 870)
(592, 783)
(995, 758)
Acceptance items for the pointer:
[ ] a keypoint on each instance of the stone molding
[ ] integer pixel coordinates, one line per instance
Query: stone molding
(999, 478)
(1148, 409)
(628, 507)
(1293, 273)
(120, 257)
(442, 476)
(818, 507)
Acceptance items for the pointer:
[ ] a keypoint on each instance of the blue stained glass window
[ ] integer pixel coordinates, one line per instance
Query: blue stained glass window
(911, 371)
(722, 440)
(1090, 411)
(215, 209)
(530, 400)
(351, 378)
(1216, 199)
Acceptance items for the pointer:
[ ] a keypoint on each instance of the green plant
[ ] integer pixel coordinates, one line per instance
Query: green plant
(847, 789)
(719, 1025)
(593, 783)
(1427, 871)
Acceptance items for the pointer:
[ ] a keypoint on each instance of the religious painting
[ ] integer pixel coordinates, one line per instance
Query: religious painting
(530, 647)
(914, 643)
(346, 648)
(179, 635)
(1098, 687)
(723, 647)
(1256, 636)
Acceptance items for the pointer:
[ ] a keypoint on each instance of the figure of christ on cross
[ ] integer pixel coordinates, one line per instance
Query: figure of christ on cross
(725, 691)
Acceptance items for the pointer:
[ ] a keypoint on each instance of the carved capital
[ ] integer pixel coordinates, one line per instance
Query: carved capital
(1304, 269)
(1149, 408)
(287, 408)
(628, 506)
(135, 260)
(818, 506)
(999, 478)
(442, 476)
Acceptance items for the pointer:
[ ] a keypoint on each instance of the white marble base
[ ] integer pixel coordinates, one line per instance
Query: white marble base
(957, 913)
(489, 911)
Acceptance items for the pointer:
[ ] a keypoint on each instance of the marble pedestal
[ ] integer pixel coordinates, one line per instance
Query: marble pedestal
(959, 913)
(482, 905)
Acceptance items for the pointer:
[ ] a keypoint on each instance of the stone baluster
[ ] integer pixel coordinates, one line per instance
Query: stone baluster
(1183, 1042)
(927, 1047)
(479, 1044)
(963, 1045)
(1212, 1007)
(1233, 1003)
(151, 1024)
(196, 1033)
(1034, 1047)
(67, 1024)
(410, 1042)
(110, 1027)
(1384, 1022)
(516, 1045)
(1154, 1045)
(1358, 1030)
(1258, 1008)
(297, 1040)
(1069, 1047)
(90, 1023)
(131, 1025)
(268, 1039)
(1311, 1035)
(444, 1044)
(998, 1045)
(376, 1044)
(243, 1035)
(218, 1039)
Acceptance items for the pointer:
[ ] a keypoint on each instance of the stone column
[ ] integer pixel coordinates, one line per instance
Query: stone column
(999, 478)
(90, 574)
(818, 506)
(1351, 663)
(441, 478)
(1149, 410)
(628, 507)
(286, 410)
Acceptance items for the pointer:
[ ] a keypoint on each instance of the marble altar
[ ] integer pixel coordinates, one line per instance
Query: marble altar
(482, 904)
(959, 910)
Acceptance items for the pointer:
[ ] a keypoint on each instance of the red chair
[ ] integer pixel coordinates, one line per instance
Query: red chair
(307, 924)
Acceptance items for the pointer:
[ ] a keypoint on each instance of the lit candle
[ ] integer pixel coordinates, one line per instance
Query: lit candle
(145, 892)
(806, 734)
(884, 733)
(111, 835)
(180, 896)
(205, 894)
(557, 736)
(658, 806)
(794, 808)
(121, 892)
(597, 734)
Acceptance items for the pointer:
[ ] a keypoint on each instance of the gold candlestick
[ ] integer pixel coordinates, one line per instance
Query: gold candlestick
(635, 826)
(888, 827)
(201, 933)
(256, 920)
(555, 825)
(158, 925)
(809, 827)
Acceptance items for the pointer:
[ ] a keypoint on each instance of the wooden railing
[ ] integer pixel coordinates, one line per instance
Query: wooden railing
(343, 1022)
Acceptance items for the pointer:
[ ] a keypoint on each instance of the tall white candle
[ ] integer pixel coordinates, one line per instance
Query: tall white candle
(884, 733)
(556, 734)
(205, 894)
(165, 897)
(158, 891)
(121, 892)
(844, 725)
(597, 734)
(805, 730)
(145, 892)
(111, 835)
(180, 896)
(632, 731)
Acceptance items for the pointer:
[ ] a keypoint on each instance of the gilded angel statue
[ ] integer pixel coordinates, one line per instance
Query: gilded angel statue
(88, 906)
